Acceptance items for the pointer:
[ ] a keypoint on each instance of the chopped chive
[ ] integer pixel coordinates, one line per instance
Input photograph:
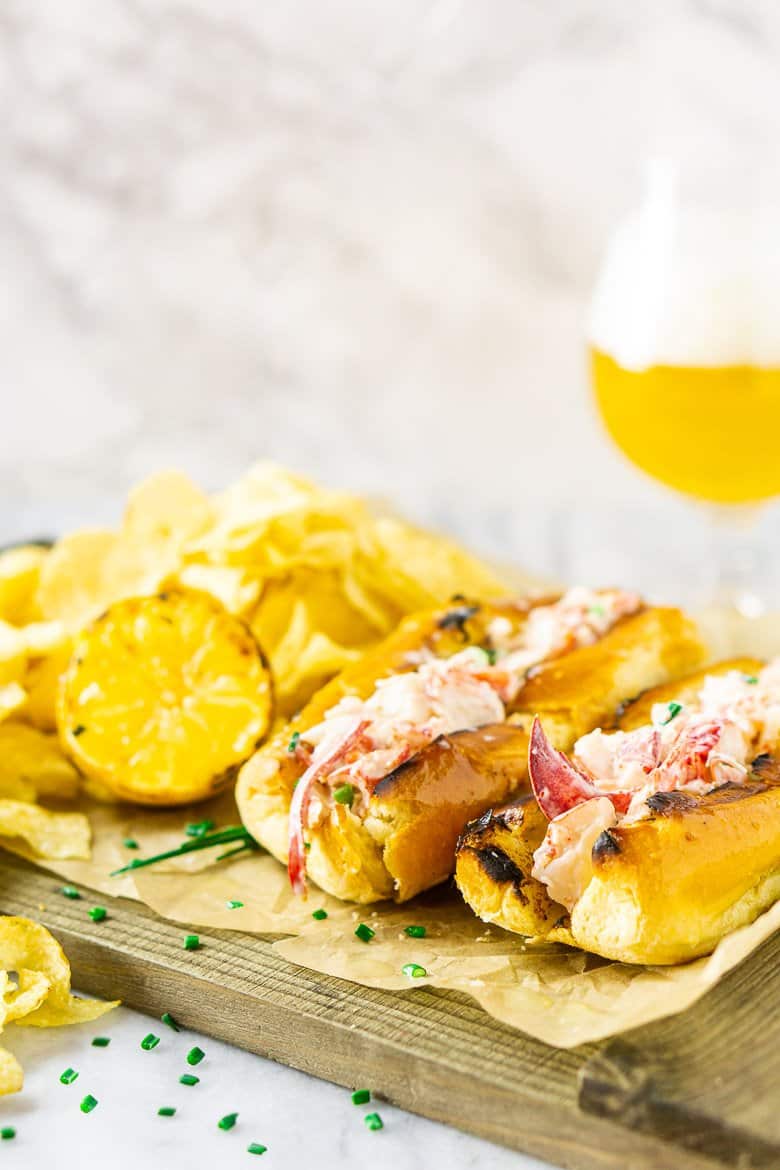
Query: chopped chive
(751, 679)
(597, 610)
(78, 730)
(663, 713)
(364, 933)
(166, 1111)
(361, 1097)
(491, 654)
(68, 1077)
(307, 845)
(195, 1055)
(88, 1103)
(414, 971)
(373, 1121)
(345, 794)
(256, 1148)
(228, 1121)
(292, 745)
(223, 837)
(415, 931)
(198, 828)
(319, 915)
(101, 1041)
(234, 904)
(130, 843)
(167, 1018)
(150, 1041)
(7, 1132)
(188, 1079)
(191, 942)
(98, 913)
(70, 892)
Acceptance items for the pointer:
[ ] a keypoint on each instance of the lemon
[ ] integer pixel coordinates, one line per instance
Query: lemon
(164, 697)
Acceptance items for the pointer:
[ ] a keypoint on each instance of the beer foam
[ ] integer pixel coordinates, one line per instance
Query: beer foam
(690, 286)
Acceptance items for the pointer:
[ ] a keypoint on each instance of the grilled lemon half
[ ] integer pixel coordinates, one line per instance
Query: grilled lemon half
(164, 697)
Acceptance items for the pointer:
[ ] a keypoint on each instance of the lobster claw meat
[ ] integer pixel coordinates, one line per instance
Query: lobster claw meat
(557, 784)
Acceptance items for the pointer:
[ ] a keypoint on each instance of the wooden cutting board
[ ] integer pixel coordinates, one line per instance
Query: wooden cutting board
(699, 1090)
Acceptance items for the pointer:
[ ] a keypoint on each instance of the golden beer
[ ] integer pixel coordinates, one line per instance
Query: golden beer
(712, 432)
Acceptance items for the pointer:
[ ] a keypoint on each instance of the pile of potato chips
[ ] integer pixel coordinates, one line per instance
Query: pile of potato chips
(318, 575)
(35, 989)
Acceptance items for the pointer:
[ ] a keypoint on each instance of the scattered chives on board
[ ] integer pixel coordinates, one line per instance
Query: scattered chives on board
(167, 1018)
(415, 931)
(101, 1041)
(69, 1076)
(97, 913)
(7, 1132)
(373, 1121)
(228, 1121)
(70, 892)
(195, 1055)
(189, 1079)
(361, 1097)
(414, 971)
(234, 904)
(150, 1041)
(319, 915)
(256, 1148)
(88, 1103)
(364, 933)
(166, 1111)
(191, 942)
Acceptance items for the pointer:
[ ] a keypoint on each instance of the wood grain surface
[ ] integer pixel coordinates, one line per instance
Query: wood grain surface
(699, 1090)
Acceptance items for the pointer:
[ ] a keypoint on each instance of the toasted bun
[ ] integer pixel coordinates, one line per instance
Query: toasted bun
(406, 841)
(666, 889)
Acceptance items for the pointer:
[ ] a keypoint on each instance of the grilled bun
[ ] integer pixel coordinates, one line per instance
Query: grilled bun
(663, 890)
(406, 840)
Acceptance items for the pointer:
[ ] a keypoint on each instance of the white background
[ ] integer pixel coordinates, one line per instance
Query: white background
(357, 237)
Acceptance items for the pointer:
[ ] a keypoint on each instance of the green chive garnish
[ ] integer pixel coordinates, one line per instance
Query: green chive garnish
(234, 904)
(345, 794)
(361, 1097)
(198, 828)
(246, 847)
(7, 1132)
(150, 1041)
(130, 843)
(166, 1111)
(101, 1041)
(98, 913)
(414, 971)
(88, 1103)
(256, 1148)
(69, 1076)
(223, 837)
(228, 1121)
(415, 931)
(751, 679)
(373, 1121)
(292, 745)
(364, 933)
(167, 1018)
(78, 730)
(597, 610)
(188, 1079)
(319, 915)
(491, 654)
(191, 942)
(70, 892)
(195, 1055)
(663, 713)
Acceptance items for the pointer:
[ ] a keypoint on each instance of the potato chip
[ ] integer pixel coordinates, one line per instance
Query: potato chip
(233, 587)
(41, 682)
(37, 760)
(26, 946)
(12, 697)
(20, 570)
(73, 587)
(11, 1073)
(13, 654)
(164, 698)
(53, 836)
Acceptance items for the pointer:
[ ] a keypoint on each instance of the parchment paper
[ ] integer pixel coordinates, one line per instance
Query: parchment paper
(561, 996)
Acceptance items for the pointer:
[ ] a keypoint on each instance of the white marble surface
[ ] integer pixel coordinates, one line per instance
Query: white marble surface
(304, 1123)
(358, 237)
